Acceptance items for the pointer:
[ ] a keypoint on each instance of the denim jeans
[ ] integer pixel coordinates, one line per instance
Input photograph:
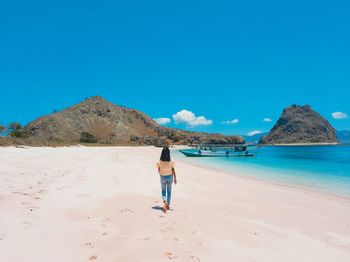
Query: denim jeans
(166, 183)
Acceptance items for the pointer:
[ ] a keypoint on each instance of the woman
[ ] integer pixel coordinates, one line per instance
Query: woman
(166, 170)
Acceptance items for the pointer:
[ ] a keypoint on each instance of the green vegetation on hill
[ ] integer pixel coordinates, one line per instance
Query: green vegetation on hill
(17, 130)
(86, 137)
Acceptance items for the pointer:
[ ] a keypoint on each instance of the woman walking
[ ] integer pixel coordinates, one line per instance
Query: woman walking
(166, 170)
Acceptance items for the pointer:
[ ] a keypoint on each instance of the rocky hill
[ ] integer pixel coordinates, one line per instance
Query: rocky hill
(300, 124)
(99, 120)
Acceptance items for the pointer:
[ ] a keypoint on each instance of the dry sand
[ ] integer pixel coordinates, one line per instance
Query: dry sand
(102, 204)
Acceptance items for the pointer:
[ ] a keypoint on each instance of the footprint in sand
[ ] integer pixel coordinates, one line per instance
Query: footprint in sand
(82, 195)
(127, 211)
(196, 259)
(93, 257)
(32, 209)
(104, 234)
(26, 224)
(167, 229)
(170, 255)
(178, 242)
(106, 220)
(146, 238)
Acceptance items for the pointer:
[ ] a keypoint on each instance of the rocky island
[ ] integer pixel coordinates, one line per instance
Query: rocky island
(97, 120)
(300, 125)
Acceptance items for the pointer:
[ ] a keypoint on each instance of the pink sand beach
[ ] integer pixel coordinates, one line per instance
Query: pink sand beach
(103, 204)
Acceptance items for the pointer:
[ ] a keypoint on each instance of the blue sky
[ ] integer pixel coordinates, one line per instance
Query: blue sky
(223, 60)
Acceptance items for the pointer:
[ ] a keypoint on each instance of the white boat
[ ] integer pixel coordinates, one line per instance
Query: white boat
(214, 150)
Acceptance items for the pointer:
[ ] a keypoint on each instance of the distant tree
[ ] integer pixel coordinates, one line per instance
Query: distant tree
(55, 111)
(14, 126)
(17, 130)
(86, 137)
(2, 128)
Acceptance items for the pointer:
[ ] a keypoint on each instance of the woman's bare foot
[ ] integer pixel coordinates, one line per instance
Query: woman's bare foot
(168, 207)
(165, 207)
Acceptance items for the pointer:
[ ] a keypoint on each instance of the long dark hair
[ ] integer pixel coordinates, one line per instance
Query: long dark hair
(165, 156)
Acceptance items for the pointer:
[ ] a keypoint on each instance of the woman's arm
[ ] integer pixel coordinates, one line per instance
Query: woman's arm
(174, 174)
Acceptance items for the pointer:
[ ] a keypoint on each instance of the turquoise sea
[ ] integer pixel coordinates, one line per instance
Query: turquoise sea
(325, 168)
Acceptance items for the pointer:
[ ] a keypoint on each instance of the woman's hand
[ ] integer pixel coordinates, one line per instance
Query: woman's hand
(174, 174)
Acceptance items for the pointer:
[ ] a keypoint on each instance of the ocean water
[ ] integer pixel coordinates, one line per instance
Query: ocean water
(324, 168)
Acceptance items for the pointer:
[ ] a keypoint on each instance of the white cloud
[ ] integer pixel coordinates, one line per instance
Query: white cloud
(231, 122)
(162, 120)
(255, 132)
(339, 115)
(190, 119)
(266, 119)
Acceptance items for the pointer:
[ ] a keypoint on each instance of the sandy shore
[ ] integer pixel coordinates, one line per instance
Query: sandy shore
(102, 204)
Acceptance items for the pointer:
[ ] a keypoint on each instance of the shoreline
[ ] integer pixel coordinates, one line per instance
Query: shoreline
(106, 201)
(269, 182)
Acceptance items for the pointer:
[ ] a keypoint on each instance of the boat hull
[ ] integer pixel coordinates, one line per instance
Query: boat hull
(195, 153)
